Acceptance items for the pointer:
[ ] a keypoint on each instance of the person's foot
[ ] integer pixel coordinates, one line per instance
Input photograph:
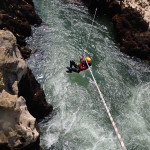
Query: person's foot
(69, 70)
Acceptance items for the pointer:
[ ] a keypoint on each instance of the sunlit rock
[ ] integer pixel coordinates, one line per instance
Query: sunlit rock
(12, 65)
(17, 126)
(17, 16)
(131, 19)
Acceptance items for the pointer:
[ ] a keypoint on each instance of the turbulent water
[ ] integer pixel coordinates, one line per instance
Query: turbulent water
(79, 120)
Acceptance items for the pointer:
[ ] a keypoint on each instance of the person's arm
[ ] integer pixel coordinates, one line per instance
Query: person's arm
(82, 59)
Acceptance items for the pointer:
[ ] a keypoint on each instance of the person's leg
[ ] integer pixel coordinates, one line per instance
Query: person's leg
(69, 70)
(72, 69)
(72, 63)
(75, 70)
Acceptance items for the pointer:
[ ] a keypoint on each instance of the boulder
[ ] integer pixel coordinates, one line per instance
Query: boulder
(12, 65)
(131, 21)
(18, 16)
(136, 44)
(17, 126)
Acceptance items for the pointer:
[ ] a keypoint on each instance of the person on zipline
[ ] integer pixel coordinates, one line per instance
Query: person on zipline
(79, 67)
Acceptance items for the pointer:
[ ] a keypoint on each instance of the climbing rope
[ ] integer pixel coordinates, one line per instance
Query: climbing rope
(90, 32)
(108, 112)
(101, 95)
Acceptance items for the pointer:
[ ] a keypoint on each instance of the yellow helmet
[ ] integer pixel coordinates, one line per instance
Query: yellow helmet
(88, 59)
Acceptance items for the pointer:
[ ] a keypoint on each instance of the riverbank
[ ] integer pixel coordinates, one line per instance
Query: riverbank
(131, 20)
(21, 95)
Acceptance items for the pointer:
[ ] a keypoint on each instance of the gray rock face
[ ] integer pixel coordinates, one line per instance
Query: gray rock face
(12, 65)
(17, 126)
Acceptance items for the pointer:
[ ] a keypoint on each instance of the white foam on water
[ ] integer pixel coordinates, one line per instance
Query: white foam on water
(51, 139)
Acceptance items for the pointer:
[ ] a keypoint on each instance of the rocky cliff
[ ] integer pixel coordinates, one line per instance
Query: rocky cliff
(17, 16)
(131, 20)
(22, 99)
(17, 126)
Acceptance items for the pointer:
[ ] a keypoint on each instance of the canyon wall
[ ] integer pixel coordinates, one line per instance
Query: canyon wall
(131, 20)
(22, 100)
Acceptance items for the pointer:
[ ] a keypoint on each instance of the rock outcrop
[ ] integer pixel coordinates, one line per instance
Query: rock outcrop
(18, 87)
(18, 16)
(133, 31)
(12, 65)
(131, 19)
(18, 128)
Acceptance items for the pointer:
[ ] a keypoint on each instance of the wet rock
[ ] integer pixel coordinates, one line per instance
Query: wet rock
(25, 51)
(133, 33)
(114, 8)
(101, 5)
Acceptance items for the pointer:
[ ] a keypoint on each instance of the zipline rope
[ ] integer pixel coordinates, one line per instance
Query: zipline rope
(90, 32)
(102, 98)
(108, 112)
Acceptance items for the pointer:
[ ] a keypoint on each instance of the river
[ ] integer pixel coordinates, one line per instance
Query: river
(79, 120)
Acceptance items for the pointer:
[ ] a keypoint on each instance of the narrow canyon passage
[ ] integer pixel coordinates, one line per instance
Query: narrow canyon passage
(79, 120)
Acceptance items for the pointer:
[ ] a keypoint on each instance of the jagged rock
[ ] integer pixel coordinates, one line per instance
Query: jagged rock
(136, 44)
(18, 129)
(1, 82)
(14, 70)
(18, 16)
(12, 65)
(130, 23)
(133, 33)
(17, 126)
